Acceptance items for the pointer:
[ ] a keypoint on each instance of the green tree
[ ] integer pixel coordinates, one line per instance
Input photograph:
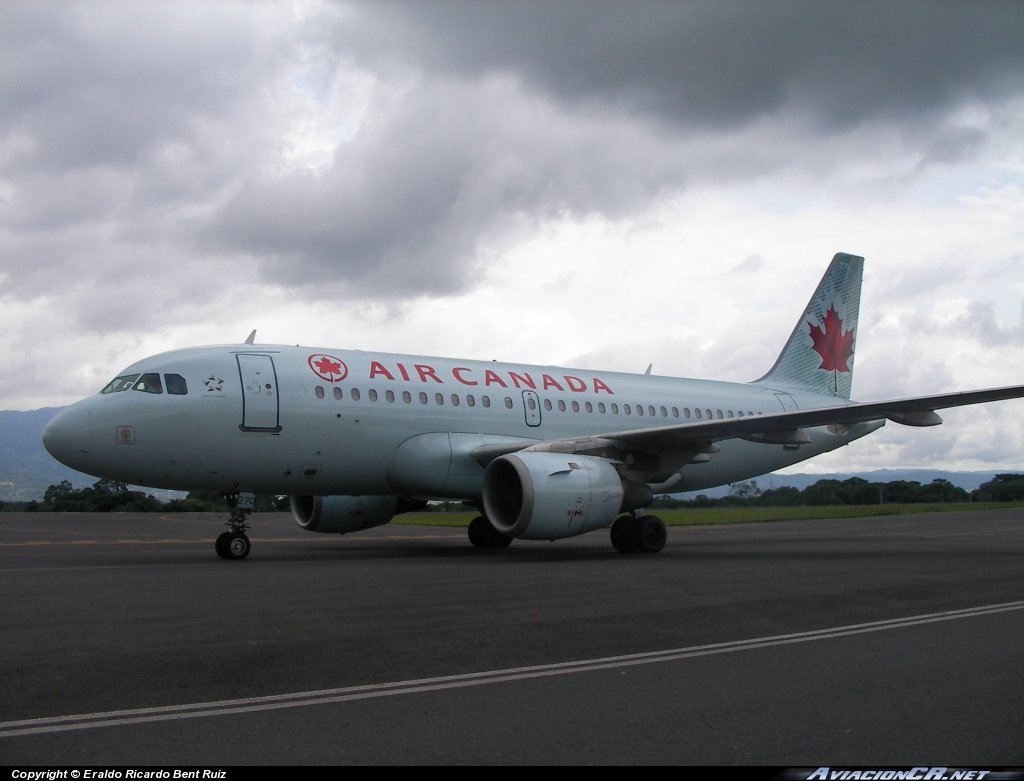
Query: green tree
(1001, 488)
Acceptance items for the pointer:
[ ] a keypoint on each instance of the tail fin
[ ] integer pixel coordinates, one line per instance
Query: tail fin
(819, 354)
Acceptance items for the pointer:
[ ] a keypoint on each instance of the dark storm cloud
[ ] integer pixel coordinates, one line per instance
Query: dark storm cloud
(720, 64)
(521, 111)
(102, 85)
(119, 123)
(147, 134)
(406, 202)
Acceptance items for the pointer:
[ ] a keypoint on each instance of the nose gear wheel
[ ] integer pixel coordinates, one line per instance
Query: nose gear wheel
(234, 544)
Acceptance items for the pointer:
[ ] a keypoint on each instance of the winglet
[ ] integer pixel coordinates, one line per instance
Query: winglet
(819, 354)
(252, 337)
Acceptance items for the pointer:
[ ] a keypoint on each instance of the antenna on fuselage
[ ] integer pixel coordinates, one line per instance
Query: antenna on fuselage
(252, 337)
(648, 372)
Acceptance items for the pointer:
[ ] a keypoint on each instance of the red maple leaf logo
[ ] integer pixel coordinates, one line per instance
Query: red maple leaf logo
(834, 347)
(327, 367)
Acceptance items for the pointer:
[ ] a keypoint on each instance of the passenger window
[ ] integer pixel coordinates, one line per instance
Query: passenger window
(354, 393)
(675, 412)
(319, 391)
(337, 393)
(531, 404)
(371, 394)
(626, 409)
(729, 413)
(664, 412)
(175, 385)
(485, 400)
(471, 401)
(149, 383)
(439, 399)
(708, 414)
(720, 415)
(561, 406)
(697, 414)
(600, 407)
(121, 383)
(739, 414)
(615, 409)
(639, 409)
(455, 399)
(575, 406)
(508, 402)
(423, 397)
(407, 397)
(547, 404)
(686, 412)
(588, 407)
(389, 395)
(650, 410)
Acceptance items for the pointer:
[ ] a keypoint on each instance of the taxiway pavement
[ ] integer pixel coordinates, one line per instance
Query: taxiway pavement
(873, 641)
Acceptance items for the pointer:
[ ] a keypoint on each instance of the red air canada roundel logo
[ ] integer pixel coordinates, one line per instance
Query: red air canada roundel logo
(327, 367)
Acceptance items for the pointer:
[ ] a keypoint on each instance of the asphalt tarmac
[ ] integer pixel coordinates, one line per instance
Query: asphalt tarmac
(877, 641)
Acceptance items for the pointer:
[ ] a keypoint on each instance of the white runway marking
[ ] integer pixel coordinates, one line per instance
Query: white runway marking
(371, 691)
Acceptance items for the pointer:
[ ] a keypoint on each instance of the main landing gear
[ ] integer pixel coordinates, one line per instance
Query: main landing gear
(234, 544)
(483, 535)
(643, 534)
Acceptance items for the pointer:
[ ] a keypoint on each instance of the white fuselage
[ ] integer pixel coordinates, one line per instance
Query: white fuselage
(291, 420)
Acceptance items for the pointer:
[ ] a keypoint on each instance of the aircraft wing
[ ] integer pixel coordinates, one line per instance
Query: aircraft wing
(783, 427)
(776, 428)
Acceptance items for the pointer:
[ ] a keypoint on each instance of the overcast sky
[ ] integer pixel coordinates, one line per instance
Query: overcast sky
(600, 185)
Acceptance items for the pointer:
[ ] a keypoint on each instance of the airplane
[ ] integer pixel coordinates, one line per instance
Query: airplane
(543, 453)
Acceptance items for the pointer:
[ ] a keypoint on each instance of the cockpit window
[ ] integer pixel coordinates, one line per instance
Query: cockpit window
(122, 383)
(149, 383)
(175, 384)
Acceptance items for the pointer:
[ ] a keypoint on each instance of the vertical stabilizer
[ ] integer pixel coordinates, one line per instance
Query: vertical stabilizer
(819, 354)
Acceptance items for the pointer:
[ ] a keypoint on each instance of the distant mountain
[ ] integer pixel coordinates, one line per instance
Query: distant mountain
(26, 469)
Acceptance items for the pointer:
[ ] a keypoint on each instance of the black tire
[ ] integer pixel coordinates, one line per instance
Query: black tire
(478, 528)
(483, 535)
(499, 540)
(237, 546)
(221, 545)
(649, 534)
(622, 534)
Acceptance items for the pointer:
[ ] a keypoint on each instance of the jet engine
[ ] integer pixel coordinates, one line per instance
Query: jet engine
(548, 496)
(342, 514)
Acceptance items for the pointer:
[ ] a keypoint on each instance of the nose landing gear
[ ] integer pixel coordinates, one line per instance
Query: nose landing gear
(234, 544)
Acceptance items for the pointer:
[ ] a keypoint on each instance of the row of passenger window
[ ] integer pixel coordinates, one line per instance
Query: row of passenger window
(148, 383)
(439, 399)
(390, 397)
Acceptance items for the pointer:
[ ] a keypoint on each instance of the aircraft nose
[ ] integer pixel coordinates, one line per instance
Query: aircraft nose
(66, 436)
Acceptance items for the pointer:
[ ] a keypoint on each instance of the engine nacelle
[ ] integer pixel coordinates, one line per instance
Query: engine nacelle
(548, 496)
(342, 514)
